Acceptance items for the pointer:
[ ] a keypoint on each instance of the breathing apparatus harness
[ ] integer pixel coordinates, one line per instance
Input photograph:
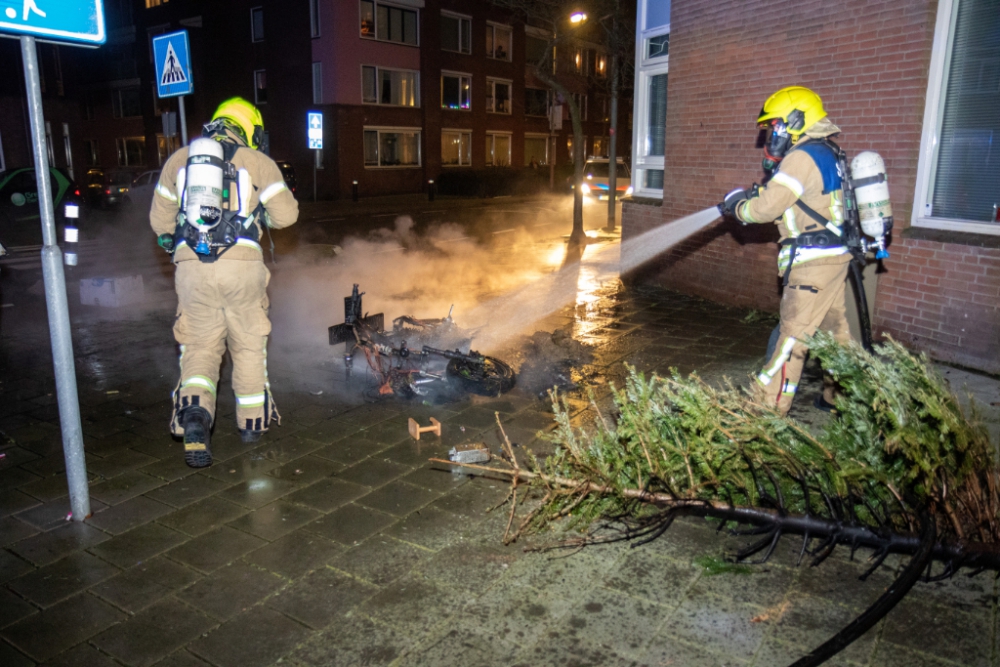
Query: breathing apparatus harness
(205, 223)
(831, 160)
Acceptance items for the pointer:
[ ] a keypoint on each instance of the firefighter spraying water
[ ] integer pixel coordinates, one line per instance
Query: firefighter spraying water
(823, 211)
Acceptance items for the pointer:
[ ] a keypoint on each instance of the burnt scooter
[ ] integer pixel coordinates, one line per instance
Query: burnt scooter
(402, 370)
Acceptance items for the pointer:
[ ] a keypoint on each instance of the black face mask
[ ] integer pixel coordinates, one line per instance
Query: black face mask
(776, 144)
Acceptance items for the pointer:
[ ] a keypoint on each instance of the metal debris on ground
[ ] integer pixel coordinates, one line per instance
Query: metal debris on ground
(470, 453)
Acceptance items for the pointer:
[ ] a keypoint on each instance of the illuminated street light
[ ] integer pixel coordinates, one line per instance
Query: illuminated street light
(577, 17)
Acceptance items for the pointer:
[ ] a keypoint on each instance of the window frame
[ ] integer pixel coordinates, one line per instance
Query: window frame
(491, 138)
(491, 82)
(532, 32)
(91, 149)
(121, 149)
(459, 18)
(644, 72)
(460, 76)
(257, 89)
(548, 145)
(548, 102)
(315, 30)
(254, 37)
(400, 6)
(458, 131)
(944, 33)
(378, 69)
(492, 26)
(317, 82)
(118, 108)
(394, 130)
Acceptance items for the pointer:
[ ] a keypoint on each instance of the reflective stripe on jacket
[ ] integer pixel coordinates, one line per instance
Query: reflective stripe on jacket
(797, 178)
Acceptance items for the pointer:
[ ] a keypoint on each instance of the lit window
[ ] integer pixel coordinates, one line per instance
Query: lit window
(392, 147)
(456, 148)
(456, 33)
(257, 24)
(602, 65)
(498, 96)
(155, 3)
(456, 91)
(390, 86)
(387, 23)
(536, 150)
(498, 150)
(498, 41)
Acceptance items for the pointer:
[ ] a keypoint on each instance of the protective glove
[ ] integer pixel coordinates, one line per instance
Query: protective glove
(166, 241)
(734, 198)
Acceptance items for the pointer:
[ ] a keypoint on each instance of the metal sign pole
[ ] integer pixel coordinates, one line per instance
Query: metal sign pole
(315, 167)
(183, 120)
(55, 299)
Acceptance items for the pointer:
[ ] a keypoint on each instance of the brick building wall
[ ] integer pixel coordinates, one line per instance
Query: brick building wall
(944, 298)
(869, 62)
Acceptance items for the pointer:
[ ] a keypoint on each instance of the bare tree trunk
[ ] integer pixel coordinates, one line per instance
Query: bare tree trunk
(577, 236)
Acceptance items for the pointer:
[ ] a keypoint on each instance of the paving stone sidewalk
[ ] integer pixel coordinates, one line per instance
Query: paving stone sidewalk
(335, 542)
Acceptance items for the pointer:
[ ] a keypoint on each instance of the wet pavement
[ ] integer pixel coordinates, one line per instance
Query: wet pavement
(335, 542)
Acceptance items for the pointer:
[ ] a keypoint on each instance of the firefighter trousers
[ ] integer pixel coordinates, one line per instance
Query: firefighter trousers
(223, 304)
(813, 299)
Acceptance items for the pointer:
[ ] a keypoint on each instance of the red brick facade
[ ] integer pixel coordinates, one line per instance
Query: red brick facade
(869, 62)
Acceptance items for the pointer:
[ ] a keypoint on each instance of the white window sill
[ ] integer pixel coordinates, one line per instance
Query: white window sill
(967, 226)
(402, 166)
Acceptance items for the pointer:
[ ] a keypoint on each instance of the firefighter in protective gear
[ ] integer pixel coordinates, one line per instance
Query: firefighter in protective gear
(222, 299)
(804, 197)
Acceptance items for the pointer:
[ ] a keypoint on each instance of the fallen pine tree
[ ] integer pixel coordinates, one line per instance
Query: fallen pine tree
(903, 469)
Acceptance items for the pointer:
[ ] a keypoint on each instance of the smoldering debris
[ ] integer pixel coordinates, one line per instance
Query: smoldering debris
(547, 360)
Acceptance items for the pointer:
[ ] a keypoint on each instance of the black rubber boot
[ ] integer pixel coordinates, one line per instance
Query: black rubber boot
(197, 425)
(822, 404)
(248, 436)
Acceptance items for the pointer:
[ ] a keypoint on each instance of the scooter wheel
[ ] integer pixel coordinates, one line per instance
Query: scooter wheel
(491, 377)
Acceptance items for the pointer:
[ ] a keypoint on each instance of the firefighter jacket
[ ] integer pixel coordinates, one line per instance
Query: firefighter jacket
(268, 189)
(798, 178)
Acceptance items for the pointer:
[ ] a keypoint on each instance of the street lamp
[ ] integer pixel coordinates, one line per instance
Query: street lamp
(577, 18)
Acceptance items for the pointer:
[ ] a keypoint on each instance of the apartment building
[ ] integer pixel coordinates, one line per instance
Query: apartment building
(413, 88)
(409, 89)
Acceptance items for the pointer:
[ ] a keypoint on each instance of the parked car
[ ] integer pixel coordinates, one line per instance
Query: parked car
(140, 195)
(595, 178)
(116, 185)
(288, 173)
(20, 216)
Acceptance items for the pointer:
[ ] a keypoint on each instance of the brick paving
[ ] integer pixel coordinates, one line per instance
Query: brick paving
(334, 542)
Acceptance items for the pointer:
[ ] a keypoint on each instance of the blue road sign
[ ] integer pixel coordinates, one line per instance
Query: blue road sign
(77, 21)
(172, 58)
(315, 131)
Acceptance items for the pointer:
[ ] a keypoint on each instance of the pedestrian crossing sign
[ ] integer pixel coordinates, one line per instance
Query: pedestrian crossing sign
(173, 64)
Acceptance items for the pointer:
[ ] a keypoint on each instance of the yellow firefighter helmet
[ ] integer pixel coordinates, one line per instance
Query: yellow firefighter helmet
(796, 107)
(244, 119)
